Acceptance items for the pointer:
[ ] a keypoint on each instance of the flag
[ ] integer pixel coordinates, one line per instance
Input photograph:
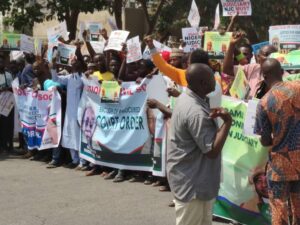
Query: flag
(217, 17)
(194, 16)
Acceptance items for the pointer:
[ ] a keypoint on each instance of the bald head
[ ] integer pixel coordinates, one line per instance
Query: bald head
(200, 79)
(271, 70)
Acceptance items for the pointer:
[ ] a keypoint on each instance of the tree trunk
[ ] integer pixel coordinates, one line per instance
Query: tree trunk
(118, 5)
(72, 24)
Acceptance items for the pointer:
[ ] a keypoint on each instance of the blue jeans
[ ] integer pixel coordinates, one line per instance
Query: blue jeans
(56, 154)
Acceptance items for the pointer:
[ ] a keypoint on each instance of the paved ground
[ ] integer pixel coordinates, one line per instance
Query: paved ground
(30, 194)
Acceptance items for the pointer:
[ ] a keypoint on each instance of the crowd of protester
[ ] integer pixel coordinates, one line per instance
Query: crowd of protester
(196, 142)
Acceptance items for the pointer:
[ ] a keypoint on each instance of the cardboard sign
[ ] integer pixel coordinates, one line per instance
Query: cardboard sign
(65, 54)
(55, 32)
(110, 92)
(285, 37)
(27, 44)
(192, 38)
(215, 44)
(134, 50)
(10, 41)
(194, 16)
(233, 7)
(116, 39)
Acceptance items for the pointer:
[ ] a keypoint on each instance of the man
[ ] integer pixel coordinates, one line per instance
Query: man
(278, 124)
(6, 122)
(252, 71)
(27, 75)
(194, 159)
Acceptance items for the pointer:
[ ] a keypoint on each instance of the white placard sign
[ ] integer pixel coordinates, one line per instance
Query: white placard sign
(233, 7)
(65, 53)
(134, 50)
(27, 44)
(192, 39)
(55, 32)
(116, 39)
(160, 47)
(7, 102)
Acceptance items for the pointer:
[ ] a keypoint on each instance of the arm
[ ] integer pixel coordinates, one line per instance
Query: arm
(263, 126)
(154, 104)
(60, 79)
(228, 65)
(205, 134)
(88, 45)
(232, 21)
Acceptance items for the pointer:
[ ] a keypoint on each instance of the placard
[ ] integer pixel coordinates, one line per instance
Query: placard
(160, 47)
(240, 86)
(27, 44)
(65, 53)
(116, 39)
(215, 44)
(134, 50)
(55, 32)
(192, 39)
(7, 103)
(233, 7)
(10, 41)
(92, 29)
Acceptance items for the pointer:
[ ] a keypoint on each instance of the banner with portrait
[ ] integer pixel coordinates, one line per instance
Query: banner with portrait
(243, 195)
(40, 116)
(117, 134)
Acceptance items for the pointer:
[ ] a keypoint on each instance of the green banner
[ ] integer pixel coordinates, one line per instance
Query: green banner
(10, 41)
(243, 194)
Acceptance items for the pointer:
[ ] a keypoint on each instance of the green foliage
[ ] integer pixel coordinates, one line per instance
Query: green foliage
(5, 6)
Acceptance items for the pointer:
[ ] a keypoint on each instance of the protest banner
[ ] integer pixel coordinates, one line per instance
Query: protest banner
(233, 7)
(194, 16)
(10, 41)
(240, 86)
(160, 47)
(285, 37)
(92, 29)
(215, 44)
(192, 39)
(134, 50)
(258, 46)
(116, 39)
(7, 103)
(241, 197)
(65, 53)
(98, 46)
(110, 92)
(57, 31)
(40, 116)
(27, 44)
(116, 135)
(289, 61)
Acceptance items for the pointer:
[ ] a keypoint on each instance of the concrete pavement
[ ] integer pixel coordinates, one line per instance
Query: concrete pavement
(30, 194)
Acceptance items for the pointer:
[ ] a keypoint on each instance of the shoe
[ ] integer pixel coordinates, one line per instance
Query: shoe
(157, 184)
(119, 177)
(93, 172)
(85, 168)
(111, 175)
(52, 165)
(164, 188)
(27, 155)
(171, 204)
(71, 166)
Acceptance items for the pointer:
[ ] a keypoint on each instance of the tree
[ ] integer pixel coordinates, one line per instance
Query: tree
(69, 10)
(5, 6)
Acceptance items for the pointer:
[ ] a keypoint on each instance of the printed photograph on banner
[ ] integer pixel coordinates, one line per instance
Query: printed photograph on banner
(216, 45)
(233, 7)
(65, 54)
(116, 39)
(134, 50)
(192, 38)
(10, 41)
(110, 92)
(289, 61)
(285, 38)
(27, 44)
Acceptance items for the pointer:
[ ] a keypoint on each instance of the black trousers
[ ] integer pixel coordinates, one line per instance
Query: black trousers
(7, 131)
